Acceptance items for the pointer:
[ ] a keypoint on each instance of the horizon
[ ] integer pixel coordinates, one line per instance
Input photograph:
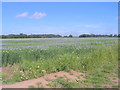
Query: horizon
(63, 18)
(58, 34)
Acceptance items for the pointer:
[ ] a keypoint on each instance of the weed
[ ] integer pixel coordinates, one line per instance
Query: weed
(97, 60)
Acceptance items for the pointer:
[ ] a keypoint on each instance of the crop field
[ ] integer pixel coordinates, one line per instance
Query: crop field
(96, 58)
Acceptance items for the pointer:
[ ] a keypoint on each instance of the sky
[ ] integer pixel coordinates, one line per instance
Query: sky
(62, 18)
(60, 0)
(0, 18)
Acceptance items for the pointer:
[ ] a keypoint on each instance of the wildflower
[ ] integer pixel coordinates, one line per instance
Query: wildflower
(20, 71)
(38, 66)
(14, 71)
(59, 58)
(72, 52)
(43, 71)
(77, 57)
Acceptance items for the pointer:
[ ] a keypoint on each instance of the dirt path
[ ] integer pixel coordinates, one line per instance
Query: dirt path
(46, 80)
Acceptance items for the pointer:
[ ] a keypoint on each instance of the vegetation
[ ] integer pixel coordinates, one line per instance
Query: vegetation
(93, 35)
(96, 57)
(98, 62)
(21, 35)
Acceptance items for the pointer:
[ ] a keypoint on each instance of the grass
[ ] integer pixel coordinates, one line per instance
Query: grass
(3, 75)
(62, 83)
(97, 62)
(71, 73)
(35, 87)
(38, 86)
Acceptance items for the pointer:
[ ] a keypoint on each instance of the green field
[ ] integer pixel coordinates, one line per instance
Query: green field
(97, 57)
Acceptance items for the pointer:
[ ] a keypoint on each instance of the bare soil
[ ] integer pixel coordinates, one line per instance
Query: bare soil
(46, 80)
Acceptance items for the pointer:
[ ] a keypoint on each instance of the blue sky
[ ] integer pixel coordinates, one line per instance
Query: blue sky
(0, 18)
(60, 0)
(62, 18)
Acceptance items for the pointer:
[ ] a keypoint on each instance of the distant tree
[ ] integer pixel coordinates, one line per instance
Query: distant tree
(115, 35)
(21, 35)
(110, 35)
(70, 36)
(118, 35)
(84, 35)
(11, 36)
(59, 35)
(65, 36)
(93, 35)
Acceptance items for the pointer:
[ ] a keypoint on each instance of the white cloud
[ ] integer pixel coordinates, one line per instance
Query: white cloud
(92, 26)
(24, 14)
(38, 15)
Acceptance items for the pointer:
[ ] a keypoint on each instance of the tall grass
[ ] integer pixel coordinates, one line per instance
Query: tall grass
(35, 62)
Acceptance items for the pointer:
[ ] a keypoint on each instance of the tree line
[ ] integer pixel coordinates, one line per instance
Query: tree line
(21, 35)
(93, 35)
